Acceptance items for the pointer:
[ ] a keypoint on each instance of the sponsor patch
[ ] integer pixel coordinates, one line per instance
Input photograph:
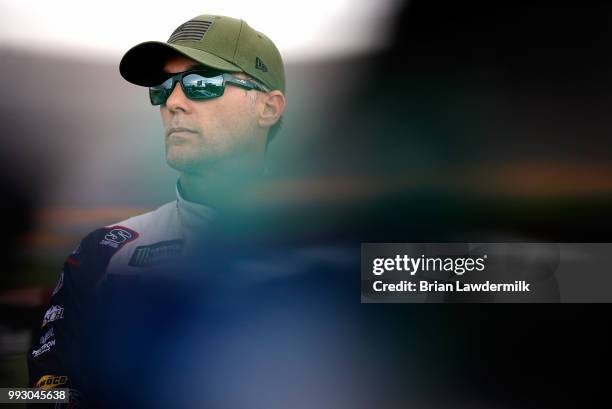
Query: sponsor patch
(118, 236)
(54, 313)
(51, 381)
(155, 254)
(44, 348)
(46, 337)
(59, 285)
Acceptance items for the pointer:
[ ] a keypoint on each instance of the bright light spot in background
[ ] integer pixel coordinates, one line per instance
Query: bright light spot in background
(302, 30)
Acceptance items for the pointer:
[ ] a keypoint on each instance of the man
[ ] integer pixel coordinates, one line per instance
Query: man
(220, 88)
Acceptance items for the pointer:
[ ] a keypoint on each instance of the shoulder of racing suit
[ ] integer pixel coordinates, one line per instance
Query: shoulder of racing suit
(55, 359)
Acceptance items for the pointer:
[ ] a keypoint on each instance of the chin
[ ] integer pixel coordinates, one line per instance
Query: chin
(185, 160)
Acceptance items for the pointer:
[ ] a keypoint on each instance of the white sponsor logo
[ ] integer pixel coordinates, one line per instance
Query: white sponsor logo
(115, 237)
(46, 337)
(46, 347)
(59, 284)
(54, 313)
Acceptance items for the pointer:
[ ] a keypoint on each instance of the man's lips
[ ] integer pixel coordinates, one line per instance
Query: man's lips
(177, 130)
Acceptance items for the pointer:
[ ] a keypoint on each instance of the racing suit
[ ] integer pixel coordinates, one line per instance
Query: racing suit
(130, 247)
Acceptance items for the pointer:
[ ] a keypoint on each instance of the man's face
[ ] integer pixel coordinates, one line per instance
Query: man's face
(201, 133)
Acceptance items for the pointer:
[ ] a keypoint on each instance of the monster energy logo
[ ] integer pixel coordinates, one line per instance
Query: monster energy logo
(147, 256)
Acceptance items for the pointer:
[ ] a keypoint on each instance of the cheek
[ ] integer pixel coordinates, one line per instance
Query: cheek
(230, 118)
(165, 116)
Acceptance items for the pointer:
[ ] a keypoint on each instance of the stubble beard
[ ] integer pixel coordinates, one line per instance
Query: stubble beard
(198, 155)
(189, 157)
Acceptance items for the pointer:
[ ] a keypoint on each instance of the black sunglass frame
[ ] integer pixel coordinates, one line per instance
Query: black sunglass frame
(226, 78)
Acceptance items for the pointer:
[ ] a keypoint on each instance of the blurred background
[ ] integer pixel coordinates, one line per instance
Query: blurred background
(408, 121)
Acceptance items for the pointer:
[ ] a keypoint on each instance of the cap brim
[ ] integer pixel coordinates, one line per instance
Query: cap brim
(144, 63)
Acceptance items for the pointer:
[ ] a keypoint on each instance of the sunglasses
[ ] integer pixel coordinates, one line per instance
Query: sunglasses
(200, 85)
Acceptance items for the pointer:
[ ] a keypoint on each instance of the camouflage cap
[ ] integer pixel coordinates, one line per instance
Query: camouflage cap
(223, 43)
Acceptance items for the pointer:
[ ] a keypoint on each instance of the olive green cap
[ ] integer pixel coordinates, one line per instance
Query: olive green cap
(223, 43)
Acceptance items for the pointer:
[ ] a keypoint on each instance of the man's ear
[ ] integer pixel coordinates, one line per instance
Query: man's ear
(273, 108)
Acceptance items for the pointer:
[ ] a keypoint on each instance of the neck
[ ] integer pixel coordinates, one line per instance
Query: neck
(221, 182)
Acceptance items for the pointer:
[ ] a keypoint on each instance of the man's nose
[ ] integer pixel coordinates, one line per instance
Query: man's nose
(177, 99)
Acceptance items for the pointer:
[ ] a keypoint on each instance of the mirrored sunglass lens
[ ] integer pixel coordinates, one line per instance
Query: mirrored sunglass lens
(160, 93)
(166, 84)
(198, 87)
(157, 95)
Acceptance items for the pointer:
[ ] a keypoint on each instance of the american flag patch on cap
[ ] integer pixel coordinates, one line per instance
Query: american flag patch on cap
(192, 30)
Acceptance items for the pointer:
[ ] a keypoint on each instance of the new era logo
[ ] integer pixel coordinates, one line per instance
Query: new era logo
(260, 65)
